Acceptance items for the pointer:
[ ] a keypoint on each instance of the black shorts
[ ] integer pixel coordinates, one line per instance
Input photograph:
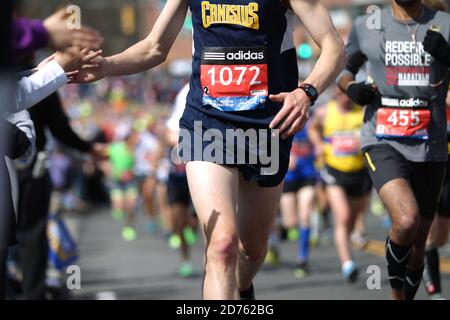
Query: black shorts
(296, 185)
(355, 184)
(178, 190)
(253, 166)
(386, 164)
(444, 201)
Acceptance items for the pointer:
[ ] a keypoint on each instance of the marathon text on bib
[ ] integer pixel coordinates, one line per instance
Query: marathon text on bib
(234, 79)
(403, 118)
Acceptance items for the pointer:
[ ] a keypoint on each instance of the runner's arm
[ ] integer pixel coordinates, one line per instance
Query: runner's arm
(317, 22)
(315, 127)
(315, 133)
(355, 59)
(295, 111)
(362, 93)
(147, 53)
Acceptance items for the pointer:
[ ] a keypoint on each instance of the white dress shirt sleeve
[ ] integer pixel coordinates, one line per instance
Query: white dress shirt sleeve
(41, 84)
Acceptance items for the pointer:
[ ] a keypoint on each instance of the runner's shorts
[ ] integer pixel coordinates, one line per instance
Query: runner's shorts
(178, 189)
(356, 184)
(255, 161)
(121, 188)
(296, 185)
(426, 178)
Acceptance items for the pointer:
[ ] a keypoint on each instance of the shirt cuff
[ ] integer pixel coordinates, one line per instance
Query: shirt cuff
(59, 75)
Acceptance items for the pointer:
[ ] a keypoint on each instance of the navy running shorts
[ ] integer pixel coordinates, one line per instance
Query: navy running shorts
(245, 145)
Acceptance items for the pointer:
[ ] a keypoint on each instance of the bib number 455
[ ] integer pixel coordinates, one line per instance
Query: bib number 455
(404, 118)
(402, 123)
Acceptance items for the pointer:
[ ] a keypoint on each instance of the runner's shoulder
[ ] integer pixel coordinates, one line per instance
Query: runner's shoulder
(441, 17)
(360, 25)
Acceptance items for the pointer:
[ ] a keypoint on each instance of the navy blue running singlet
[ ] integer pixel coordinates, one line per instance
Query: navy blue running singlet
(243, 51)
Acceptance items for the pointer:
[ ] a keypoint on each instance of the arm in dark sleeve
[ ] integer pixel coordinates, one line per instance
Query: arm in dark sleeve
(58, 123)
(28, 35)
(355, 57)
(17, 141)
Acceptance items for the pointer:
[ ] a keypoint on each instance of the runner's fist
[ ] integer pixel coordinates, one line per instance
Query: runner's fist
(361, 93)
(436, 45)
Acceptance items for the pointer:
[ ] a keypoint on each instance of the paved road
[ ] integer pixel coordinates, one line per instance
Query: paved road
(146, 268)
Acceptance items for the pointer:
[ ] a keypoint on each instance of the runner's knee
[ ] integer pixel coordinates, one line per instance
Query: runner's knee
(222, 248)
(405, 226)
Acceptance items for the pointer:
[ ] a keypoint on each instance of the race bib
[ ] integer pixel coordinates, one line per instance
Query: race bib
(345, 144)
(234, 79)
(301, 149)
(403, 118)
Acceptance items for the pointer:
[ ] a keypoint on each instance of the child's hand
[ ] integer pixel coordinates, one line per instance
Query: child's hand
(75, 58)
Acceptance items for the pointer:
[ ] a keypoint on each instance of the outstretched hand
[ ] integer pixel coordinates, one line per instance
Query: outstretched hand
(62, 37)
(93, 71)
(75, 58)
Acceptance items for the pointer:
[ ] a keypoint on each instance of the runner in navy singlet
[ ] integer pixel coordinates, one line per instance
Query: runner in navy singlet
(243, 85)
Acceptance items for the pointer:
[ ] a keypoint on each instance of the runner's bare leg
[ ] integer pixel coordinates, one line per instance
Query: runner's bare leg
(214, 192)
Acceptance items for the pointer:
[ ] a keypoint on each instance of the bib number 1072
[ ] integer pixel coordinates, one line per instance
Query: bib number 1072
(234, 78)
(228, 75)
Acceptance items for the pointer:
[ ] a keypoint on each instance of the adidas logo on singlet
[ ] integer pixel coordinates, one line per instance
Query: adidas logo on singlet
(404, 102)
(248, 55)
(229, 54)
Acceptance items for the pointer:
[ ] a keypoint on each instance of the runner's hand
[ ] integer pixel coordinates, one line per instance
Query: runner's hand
(293, 115)
(361, 93)
(436, 45)
(91, 73)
